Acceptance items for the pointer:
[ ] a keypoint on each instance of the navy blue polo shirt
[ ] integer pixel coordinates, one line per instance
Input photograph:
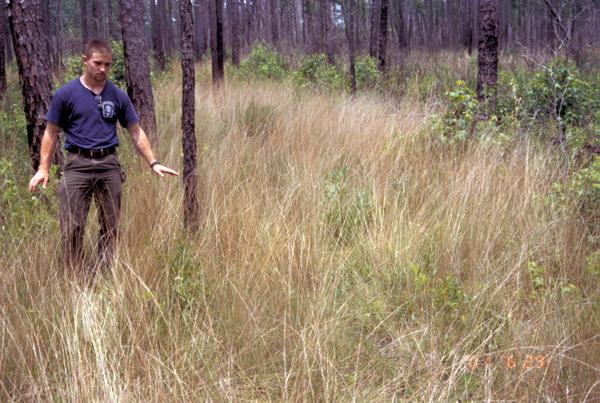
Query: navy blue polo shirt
(89, 120)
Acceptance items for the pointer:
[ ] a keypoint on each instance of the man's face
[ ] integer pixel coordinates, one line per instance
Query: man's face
(97, 66)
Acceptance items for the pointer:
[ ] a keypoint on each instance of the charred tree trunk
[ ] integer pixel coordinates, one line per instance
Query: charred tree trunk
(349, 11)
(487, 58)
(233, 9)
(383, 28)
(3, 24)
(190, 199)
(217, 48)
(36, 84)
(137, 69)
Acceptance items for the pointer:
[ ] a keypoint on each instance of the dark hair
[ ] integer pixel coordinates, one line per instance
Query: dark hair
(98, 46)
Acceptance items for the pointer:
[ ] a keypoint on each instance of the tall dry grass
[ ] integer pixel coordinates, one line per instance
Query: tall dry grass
(342, 254)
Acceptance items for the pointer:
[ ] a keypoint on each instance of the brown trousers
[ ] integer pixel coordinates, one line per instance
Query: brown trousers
(83, 179)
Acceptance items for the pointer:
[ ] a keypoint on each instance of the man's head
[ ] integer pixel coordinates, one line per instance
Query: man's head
(97, 59)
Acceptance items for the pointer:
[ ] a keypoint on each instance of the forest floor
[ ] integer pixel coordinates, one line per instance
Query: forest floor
(343, 253)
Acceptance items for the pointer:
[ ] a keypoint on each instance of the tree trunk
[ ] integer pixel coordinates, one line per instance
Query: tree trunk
(113, 32)
(137, 68)
(375, 25)
(383, 27)
(487, 58)
(274, 24)
(349, 10)
(161, 32)
(190, 199)
(200, 29)
(233, 8)
(58, 36)
(85, 34)
(3, 24)
(216, 41)
(36, 82)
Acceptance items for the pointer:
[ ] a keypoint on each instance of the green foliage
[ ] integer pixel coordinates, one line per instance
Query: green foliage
(367, 73)
(315, 72)
(455, 124)
(20, 212)
(74, 66)
(263, 63)
(347, 209)
(187, 284)
(536, 276)
(449, 294)
(557, 91)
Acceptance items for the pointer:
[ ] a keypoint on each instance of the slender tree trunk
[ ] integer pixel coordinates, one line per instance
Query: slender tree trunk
(234, 18)
(274, 23)
(200, 29)
(137, 68)
(36, 82)
(113, 32)
(487, 58)
(216, 44)
(3, 25)
(375, 28)
(58, 37)
(383, 28)
(190, 199)
(85, 34)
(161, 32)
(349, 11)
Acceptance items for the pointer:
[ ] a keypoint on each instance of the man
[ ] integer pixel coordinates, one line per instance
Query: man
(87, 109)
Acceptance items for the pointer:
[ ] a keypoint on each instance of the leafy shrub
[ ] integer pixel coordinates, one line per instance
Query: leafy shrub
(558, 92)
(263, 63)
(315, 72)
(347, 209)
(455, 124)
(74, 66)
(367, 72)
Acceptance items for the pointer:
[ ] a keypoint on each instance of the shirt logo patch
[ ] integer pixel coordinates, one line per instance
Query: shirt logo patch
(108, 109)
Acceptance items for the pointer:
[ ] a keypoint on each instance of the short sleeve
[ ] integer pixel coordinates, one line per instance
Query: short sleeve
(127, 114)
(56, 110)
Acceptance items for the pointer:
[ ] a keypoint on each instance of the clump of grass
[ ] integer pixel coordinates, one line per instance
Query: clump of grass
(396, 276)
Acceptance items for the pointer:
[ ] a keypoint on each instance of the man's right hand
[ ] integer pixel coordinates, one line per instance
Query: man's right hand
(40, 176)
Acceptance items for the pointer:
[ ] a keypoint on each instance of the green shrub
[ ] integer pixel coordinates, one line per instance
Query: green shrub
(557, 91)
(367, 72)
(455, 124)
(263, 63)
(315, 72)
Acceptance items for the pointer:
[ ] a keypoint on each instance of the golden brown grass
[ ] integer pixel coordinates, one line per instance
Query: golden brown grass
(341, 255)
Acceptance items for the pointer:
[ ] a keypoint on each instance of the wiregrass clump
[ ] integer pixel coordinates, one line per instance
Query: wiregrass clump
(342, 254)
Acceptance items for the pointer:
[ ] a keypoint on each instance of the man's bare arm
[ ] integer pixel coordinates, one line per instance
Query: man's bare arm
(49, 140)
(142, 145)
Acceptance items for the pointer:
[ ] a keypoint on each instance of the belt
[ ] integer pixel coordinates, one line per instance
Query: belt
(98, 153)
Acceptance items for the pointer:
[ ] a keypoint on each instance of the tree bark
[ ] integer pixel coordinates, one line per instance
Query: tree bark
(274, 23)
(383, 28)
(3, 24)
(190, 199)
(233, 9)
(216, 43)
(375, 25)
(85, 34)
(349, 10)
(137, 68)
(200, 29)
(36, 82)
(487, 58)
(161, 31)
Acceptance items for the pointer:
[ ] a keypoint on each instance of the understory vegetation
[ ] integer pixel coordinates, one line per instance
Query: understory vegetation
(404, 243)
